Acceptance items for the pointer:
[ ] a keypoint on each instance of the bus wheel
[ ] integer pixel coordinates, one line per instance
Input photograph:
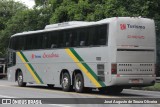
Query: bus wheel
(79, 83)
(66, 82)
(20, 80)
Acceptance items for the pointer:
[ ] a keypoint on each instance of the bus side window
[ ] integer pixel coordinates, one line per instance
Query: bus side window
(92, 36)
(39, 41)
(102, 34)
(53, 46)
(60, 39)
(82, 43)
(53, 39)
(12, 43)
(21, 43)
(66, 38)
(70, 38)
(29, 42)
(73, 39)
(82, 36)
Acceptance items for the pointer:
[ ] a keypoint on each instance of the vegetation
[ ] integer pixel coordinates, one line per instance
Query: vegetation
(156, 87)
(16, 17)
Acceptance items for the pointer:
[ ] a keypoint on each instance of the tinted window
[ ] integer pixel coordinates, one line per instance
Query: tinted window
(51, 39)
(76, 37)
(82, 36)
(102, 34)
(92, 36)
(60, 38)
(34, 41)
(17, 43)
(11, 44)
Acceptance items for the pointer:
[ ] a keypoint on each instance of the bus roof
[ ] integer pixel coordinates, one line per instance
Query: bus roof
(72, 24)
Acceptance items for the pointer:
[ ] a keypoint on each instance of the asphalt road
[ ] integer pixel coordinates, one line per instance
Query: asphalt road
(11, 90)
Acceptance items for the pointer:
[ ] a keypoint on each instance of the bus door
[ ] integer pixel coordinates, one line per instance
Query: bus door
(11, 59)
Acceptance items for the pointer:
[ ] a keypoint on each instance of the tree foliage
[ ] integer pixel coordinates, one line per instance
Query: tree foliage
(7, 10)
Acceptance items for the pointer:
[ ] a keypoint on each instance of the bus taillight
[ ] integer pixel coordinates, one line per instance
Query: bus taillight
(114, 68)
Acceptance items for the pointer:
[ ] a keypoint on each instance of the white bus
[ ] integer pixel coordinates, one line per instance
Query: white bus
(109, 55)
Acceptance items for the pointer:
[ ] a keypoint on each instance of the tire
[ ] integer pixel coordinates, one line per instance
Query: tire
(50, 85)
(66, 82)
(79, 83)
(20, 80)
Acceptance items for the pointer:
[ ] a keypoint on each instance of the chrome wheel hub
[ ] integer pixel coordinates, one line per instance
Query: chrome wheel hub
(20, 78)
(65, 82)
(78, 84)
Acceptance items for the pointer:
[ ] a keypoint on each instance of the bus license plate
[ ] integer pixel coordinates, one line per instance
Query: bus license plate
(136, 81)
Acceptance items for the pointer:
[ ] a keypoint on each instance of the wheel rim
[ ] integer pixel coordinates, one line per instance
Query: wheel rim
(78, 84)
(20, 79)
(65, 82)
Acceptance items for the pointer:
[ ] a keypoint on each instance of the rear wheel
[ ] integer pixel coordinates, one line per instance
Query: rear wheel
(66, 82)
(20, 80)
(79, 83)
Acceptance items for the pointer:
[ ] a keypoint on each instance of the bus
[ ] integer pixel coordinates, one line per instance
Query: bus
(109, 55)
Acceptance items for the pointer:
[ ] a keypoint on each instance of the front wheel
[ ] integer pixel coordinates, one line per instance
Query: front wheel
(20, 80)
(66, 82)
(79, 83)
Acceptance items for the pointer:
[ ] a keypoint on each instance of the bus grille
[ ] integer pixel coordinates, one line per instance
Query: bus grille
(100, 72)
(135, 67)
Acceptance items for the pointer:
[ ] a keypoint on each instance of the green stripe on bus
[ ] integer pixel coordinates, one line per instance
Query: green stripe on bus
(86, 66)
(31, 67)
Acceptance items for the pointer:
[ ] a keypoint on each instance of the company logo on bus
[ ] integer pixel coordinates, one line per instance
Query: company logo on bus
(123, 26)
(52, 55)
(45, 55)
(35, 56)
(130, 26)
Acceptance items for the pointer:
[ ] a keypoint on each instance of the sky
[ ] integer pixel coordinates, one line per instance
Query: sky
(29, 3)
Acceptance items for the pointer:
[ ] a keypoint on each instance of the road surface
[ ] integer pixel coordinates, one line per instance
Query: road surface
(11, 90)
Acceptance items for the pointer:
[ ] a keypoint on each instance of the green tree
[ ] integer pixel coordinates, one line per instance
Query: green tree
(8, 8)
(27, 20)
